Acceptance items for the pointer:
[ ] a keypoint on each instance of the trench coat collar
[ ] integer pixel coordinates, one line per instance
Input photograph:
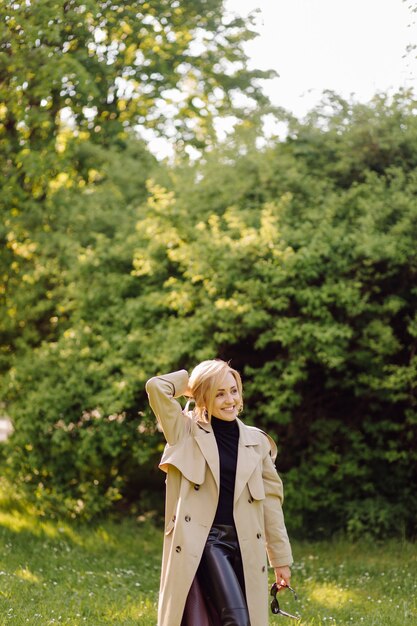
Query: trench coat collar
(247, 455)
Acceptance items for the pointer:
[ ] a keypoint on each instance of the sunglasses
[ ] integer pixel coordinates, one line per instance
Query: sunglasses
(275, 604)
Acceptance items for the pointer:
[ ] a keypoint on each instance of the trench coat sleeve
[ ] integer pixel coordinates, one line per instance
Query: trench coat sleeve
(277, 543)
(162, 391)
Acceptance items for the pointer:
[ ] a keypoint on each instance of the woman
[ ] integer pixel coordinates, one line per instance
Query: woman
(223, 503)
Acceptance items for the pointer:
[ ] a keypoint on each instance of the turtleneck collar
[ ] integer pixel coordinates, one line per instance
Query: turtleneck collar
(219, 424)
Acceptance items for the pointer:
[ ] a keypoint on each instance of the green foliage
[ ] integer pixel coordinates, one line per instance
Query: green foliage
(78, 82)
(77, 77)
(73, 455)
(309, 287)
(109, 67)
(297, 262)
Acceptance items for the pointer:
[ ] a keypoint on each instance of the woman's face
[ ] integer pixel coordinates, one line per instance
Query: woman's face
(227, 399)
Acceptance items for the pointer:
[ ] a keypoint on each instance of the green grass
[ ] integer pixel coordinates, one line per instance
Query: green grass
(55, 573)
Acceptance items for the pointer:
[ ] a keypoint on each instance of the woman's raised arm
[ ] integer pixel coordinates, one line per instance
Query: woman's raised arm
(162, 391)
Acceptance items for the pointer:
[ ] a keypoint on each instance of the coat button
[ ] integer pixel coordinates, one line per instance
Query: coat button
(174, 517)
(187, 518)
(178, 549)
(259, 535)
(196, 487)
(263, 566)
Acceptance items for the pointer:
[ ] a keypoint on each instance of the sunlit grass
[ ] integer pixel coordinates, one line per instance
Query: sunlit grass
(25, 574)
(330, 596)
(342, 583)
(108, 573)
(18, 516)
(55, 573)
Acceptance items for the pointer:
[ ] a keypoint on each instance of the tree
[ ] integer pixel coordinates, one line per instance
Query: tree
(75, 75)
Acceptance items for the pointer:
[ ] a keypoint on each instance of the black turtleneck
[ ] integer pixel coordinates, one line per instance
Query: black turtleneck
(227, 438)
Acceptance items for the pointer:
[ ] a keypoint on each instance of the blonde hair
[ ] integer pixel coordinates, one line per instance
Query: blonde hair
(204, 382)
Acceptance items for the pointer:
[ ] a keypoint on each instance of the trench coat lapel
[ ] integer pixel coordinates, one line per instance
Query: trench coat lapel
(247, 457)
(206, 441)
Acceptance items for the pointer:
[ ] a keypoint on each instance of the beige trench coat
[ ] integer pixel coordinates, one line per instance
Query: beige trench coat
(191, 462)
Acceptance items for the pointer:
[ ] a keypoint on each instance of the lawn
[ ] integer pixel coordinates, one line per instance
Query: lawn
(58, 573)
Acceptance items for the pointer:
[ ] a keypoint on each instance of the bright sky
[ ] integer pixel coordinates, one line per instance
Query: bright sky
(353, 47)
(349, 46)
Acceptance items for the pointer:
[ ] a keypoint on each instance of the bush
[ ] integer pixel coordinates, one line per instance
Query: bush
(297, 263)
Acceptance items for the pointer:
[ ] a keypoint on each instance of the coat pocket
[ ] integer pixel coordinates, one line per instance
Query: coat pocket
(256, 485)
